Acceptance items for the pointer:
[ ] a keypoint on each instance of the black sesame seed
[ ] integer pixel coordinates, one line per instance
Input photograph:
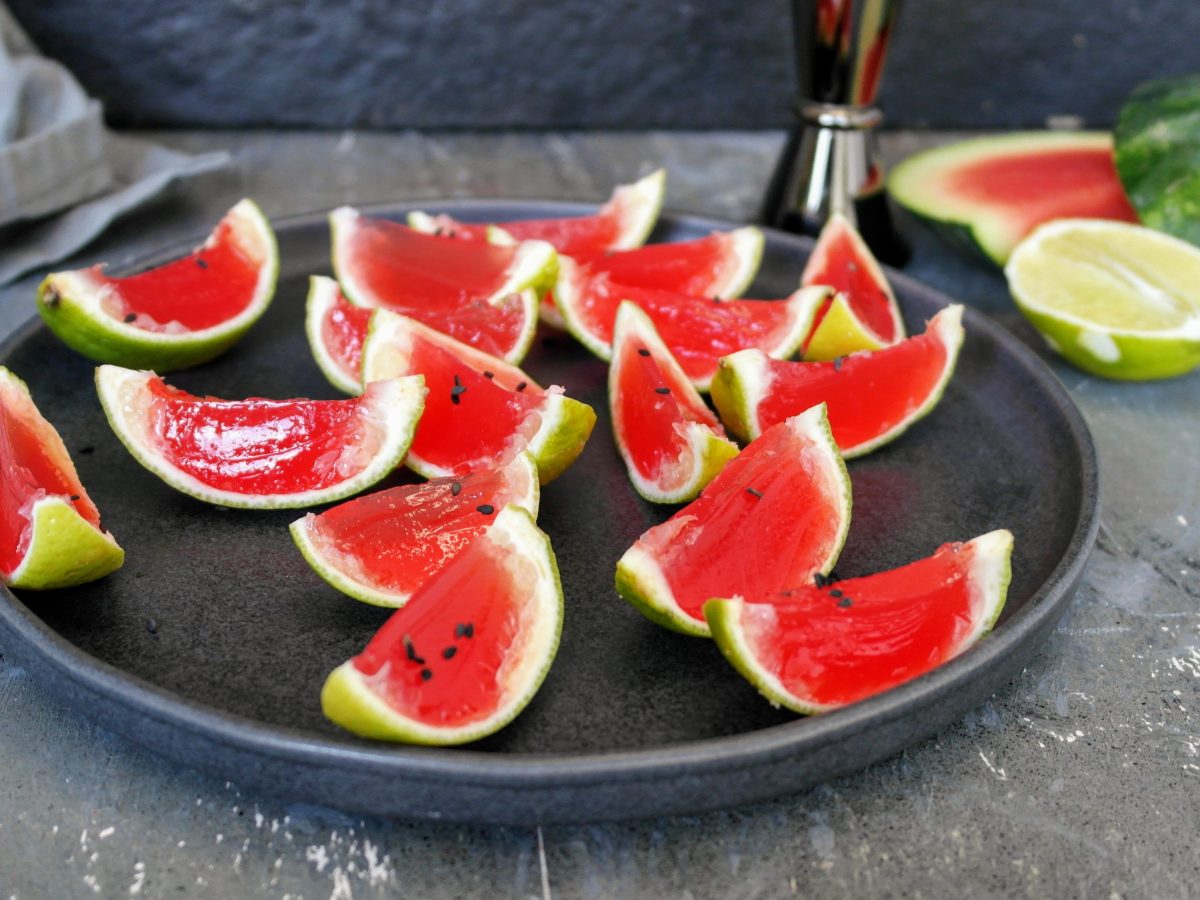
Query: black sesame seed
(522, 386)
(837, 363)
(487, 374)
(152, 626)
(754, 491)
(451, 233)
(845, 601)
(487, 509)
(411, 652)
(449, 652)
(662, 390)
(74, 497)
(643, 352)
(835, 593)
(469, 630)
(821, 580)
(201, 263)
(129, 317)
(457, 381)
(455, 487)
(426, 674)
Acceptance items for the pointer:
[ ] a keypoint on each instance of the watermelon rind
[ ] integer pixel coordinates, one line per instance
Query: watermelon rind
(64, 548)
(395, 404)
(348, 701)
(326, 565)
(640, 579)
(707, 450)
(567, 424)
(990, 577)
(743, 379)
(1157, 154)
(1122, 354)
(322, 296)
(982, 232)
(70, 305)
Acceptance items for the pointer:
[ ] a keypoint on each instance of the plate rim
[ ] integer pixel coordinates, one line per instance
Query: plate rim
(40, 645)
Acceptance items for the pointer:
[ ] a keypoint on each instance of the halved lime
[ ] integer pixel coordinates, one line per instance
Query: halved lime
(1117, 300)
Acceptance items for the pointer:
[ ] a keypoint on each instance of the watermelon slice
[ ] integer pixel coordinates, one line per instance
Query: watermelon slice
(382, 547)
(697, 330)
(480, 412)
(872, 397)
(671, 442)
(482, 294)
(469, 650)
(50, 534)
(984, 195)
(812, 648)
(776, 515)
(719, 265)
(862, 313)
(622, 223)
(177, 315)
(257, 453)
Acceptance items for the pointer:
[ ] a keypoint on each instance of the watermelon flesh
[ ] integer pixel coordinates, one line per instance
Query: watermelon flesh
(842, 260)
(904, 382)
(35, 465)
(719, 265)
(816, 647)
(383, 547)
(776, 514)
(343, 328)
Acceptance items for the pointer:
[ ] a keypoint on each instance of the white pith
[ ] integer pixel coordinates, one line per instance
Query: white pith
(640, 204)
(750, 381)
(395, 405)
(633, 323)
(745, 253)
(514, 531)
(802, 309)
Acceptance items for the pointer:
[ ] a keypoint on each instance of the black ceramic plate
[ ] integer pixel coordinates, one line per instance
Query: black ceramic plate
(633, 720)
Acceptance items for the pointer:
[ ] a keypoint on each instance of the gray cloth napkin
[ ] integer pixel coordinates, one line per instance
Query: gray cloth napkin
(56, 155)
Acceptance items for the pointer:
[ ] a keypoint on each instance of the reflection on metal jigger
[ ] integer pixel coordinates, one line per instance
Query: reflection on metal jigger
(830, 161)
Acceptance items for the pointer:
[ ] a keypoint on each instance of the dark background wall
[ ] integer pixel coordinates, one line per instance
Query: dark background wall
(592, 63)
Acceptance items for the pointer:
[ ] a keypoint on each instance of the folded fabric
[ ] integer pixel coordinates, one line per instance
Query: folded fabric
(56, 154)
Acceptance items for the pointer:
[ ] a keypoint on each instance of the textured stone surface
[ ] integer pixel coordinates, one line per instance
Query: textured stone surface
(627, 64)
(1079, 780)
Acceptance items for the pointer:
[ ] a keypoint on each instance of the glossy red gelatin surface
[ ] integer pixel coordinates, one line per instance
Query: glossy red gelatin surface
(866, 394)
(260, 446)
(470, 421)
(686, 267)
(438, 660)
(767, 521)
(29, 472)
(860, 636)
(397, 539)
(343, 331)
(649, 423)
(697, 330)
(201, 290)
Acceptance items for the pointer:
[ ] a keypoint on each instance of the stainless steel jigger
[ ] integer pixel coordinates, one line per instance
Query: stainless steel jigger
(830, 161)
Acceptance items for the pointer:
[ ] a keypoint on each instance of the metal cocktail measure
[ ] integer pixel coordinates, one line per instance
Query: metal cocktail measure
(830, 161)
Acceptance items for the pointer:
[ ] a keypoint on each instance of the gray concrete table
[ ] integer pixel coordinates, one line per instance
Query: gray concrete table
(1080, 779)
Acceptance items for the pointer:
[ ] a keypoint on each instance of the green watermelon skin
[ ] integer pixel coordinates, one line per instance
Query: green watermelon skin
(1158, 154)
